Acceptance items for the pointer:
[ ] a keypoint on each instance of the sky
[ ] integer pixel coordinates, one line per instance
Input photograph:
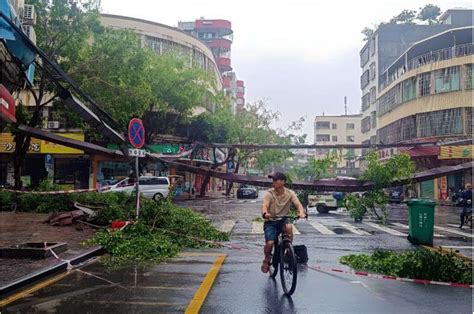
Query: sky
(301, 56)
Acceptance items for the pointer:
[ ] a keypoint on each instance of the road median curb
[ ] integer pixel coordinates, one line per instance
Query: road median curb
(36, 276)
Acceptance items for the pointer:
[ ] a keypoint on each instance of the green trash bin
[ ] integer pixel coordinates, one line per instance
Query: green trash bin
(421, 221)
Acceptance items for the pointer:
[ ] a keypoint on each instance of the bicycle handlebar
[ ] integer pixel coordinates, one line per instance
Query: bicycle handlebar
(276, 218)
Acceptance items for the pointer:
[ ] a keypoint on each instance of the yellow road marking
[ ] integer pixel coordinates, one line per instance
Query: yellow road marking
(201, 294)
(34, 288)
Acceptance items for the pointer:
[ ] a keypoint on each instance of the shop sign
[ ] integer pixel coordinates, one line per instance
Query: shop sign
(53, 148)
(7, 144)
(455, 152)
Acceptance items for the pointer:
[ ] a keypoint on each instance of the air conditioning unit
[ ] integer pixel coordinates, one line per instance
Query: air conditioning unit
(53, 124)
(30, 32)
(29, 14)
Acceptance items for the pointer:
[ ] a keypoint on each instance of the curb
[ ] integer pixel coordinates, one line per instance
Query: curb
(48, 271)
(448, 250)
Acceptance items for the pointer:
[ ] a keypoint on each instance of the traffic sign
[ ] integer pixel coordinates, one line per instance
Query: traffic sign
(136, 133)
(136, 152)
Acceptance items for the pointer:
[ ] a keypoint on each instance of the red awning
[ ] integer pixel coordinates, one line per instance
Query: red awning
(421, 151)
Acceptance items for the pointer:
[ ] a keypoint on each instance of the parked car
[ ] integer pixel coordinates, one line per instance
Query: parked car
(394, 196)
(151, 187)
(323, 202)
(247, 191)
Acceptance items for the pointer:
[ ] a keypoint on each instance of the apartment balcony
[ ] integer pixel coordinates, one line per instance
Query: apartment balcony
(224, 64)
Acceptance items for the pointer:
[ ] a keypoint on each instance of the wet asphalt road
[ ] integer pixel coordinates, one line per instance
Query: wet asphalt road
(240, 287)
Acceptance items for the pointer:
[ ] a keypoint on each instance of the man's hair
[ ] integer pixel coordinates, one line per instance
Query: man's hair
(278, 176)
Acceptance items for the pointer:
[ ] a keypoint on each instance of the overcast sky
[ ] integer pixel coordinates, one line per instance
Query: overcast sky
(300, 55)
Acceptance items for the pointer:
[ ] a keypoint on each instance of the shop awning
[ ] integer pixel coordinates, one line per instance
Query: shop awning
(7, 105)
(69, 142)
(422, 151)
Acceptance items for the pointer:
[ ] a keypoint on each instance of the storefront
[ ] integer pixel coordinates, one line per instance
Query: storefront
(68, 167)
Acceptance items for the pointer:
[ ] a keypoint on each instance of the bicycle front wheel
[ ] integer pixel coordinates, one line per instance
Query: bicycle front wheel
(288, 268)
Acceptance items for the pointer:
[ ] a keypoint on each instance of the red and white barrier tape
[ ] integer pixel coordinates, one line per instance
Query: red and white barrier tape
(365, 274)
(57, 192)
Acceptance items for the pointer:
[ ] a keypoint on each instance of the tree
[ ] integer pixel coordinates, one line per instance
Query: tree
(430, 13)
(368, 33)
(61, 46)
(399, 167)
(404, 17)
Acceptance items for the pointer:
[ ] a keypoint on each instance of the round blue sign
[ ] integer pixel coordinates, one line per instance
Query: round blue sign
(136, 133)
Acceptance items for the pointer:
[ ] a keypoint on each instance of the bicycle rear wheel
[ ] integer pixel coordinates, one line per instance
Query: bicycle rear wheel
(288, 268)
(274, 262)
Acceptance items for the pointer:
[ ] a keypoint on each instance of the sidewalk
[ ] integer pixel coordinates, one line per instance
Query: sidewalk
(16, 228)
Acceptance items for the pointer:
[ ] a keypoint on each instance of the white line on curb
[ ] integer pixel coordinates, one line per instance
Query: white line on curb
(453, 231)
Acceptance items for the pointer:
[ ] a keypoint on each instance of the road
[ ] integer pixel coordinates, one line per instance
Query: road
(240, 287)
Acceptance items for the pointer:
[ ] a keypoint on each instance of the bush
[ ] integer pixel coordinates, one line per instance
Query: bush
(162, 231)
(418, 264)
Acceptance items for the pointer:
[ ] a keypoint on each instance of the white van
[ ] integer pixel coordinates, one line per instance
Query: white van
(151, 187)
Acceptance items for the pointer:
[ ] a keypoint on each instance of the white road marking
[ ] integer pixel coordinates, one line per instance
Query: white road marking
(227, 226)
(257, 227)
(215, 201)
(320, 227)
(453, 231)
(385, 229)
(253, 201)
(353, 229)
(407, 227)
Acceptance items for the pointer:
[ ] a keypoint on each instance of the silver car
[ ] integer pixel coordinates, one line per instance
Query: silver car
(151, 187)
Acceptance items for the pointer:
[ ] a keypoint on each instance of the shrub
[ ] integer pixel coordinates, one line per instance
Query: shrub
(419, 264)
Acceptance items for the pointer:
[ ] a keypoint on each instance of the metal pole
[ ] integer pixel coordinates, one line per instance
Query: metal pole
(137, 187)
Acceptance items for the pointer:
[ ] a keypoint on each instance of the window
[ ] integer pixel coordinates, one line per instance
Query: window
(447, 80)
(372, 71)
(364, 79)
(334, 126)
(439, 123)
(409, 89)
(350, 138)
(334, 138)
(468, 76)
(322, 137)
(364, 55)
(373, 95)
(350, 126)
(365, 125)
(323, 125)
(424, 84)
(350, 152)
(366, 101)
(158, 181)
(390, 100)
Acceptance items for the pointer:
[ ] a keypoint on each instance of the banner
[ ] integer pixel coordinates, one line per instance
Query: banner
(455, 152)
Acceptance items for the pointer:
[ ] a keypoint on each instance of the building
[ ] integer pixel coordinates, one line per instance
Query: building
(426, 95)
(334, 130)
(218, 35)
(165, 39)
(388, 42)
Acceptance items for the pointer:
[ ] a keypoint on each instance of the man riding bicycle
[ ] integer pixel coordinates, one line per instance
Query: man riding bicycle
(277, 202)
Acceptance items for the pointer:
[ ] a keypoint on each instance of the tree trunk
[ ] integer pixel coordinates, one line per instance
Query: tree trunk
(206, 181)
(231, 184)
(22, 143)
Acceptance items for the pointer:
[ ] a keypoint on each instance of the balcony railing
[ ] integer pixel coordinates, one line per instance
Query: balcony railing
(428, 58)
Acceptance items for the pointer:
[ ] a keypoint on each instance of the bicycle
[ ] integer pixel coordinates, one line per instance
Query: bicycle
(284, 257)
